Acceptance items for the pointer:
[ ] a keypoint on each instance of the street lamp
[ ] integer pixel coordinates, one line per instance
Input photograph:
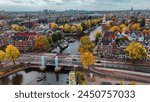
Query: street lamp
(98, 52)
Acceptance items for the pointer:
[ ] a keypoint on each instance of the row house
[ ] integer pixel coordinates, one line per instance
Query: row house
(3, 40)
(24, 41)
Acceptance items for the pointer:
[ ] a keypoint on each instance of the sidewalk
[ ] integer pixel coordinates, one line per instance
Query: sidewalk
(128, 75)
(126, 63)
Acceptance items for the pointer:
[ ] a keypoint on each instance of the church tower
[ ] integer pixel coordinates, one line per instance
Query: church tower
(104, 27)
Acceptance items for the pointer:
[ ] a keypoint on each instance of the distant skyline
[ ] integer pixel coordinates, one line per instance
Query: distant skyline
(59, 5)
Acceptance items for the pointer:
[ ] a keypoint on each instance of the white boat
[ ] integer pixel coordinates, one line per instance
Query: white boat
(40, 78)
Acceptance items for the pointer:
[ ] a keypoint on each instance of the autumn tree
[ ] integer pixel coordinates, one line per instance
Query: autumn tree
(132, 83)
(22, 28)
(79, 28)
(87, 59)
(17, 27)
(41, 43)
(54, 26)
(12, 53)
(2, 56)
(88, 24)
(145, 31)
(135, 27)
(135, 51)
(97, 34)
(94, 22)
(73, 29)
(115, 29)
(123, 27)
(61, 27)
(66, 28)
(86, 44)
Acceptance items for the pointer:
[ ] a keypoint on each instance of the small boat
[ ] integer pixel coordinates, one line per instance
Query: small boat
(71, 40)
(40, 78)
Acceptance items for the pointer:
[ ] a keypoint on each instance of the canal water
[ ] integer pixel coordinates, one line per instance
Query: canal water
(29, 77)
(73, 47)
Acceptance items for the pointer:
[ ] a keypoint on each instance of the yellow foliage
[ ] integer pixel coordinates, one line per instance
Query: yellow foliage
(73, 28)
(108, 26)
(135, 27)
(97, 34)
(12, 52)
(61, 27)
(54, 26)
(17, 27)
(86, 44)
(94, 22)
(67, 28)
(87, 59)
(87, 24)
(146, 31)
(41, 43)
(123, 27)
(115, 29)
(133, 83)
(2, 55)
(79, 27)
(135, 51)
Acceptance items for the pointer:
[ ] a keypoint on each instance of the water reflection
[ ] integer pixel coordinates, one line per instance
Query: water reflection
(17, 79)
(29, 77)
(57, 77)
(5, 81)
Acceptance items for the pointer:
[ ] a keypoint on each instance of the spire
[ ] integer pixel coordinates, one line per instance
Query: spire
(104, 19)
(132, 9)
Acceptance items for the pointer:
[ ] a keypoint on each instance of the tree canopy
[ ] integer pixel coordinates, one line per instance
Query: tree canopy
(12, 53)
(86, 44)
(87, 59)
(2, 56)
(135, 51)
(41, 43)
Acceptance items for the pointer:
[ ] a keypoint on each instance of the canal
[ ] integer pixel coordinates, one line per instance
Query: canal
(73, 47)
(29, 77)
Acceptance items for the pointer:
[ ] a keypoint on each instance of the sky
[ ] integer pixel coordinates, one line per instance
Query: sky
(38, 5)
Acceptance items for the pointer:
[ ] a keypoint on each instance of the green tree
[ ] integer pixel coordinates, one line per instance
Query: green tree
(84, 26)
(59, 35)
(143, 22)
(54, 38)
(49, 38)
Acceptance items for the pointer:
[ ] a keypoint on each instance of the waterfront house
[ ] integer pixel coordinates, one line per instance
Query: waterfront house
(24, 41)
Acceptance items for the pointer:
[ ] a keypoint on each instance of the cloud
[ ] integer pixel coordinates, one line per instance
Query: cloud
(73, 4)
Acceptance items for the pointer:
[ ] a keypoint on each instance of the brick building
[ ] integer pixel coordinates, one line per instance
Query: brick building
(24, 41)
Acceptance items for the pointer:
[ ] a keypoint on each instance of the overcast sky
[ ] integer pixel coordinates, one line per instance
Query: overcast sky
(36, 5)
